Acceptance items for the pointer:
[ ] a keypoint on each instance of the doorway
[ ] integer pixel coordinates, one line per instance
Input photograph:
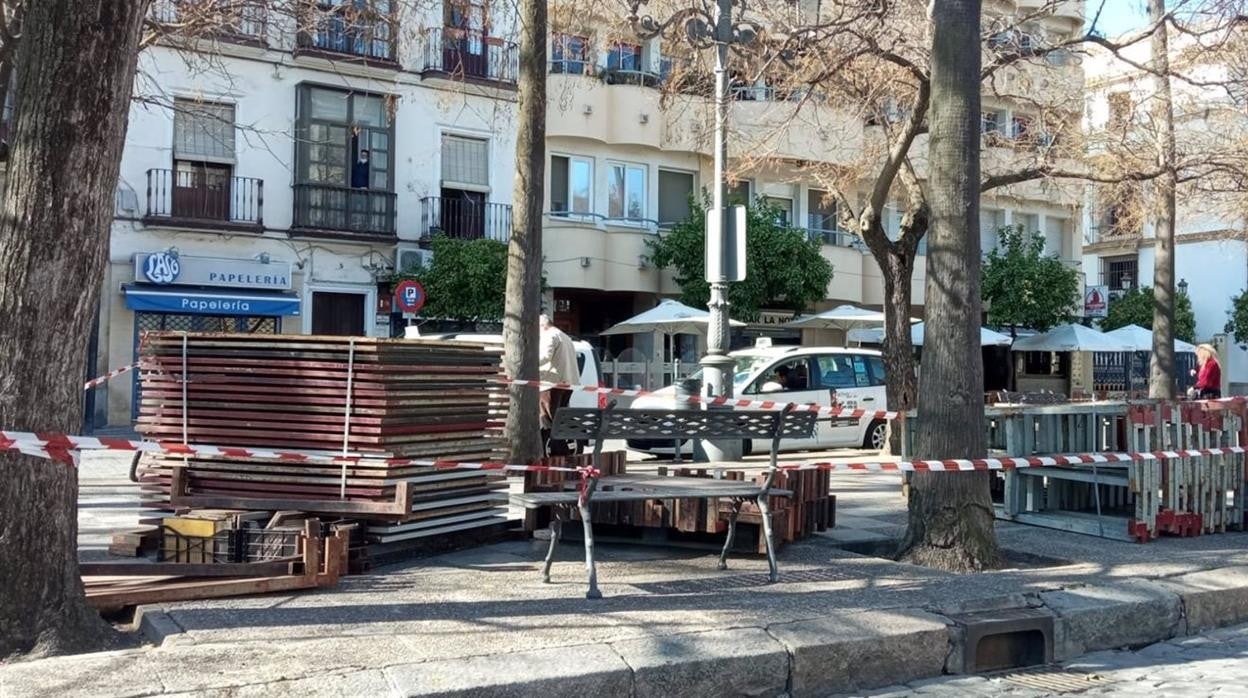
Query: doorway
(340, 314)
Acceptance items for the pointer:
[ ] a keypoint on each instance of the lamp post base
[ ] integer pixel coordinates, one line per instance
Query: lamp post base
(719, 370)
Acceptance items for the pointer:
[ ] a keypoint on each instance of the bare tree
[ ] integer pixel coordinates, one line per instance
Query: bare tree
(74, 72)
(524, 252)
(1161, 366)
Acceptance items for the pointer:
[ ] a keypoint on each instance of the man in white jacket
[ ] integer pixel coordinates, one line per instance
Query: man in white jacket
(557, 364)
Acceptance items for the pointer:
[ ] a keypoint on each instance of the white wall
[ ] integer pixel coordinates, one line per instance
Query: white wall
(1214, 270)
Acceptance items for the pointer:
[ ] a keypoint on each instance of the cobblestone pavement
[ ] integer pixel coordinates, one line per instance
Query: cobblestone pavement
(1200, 666)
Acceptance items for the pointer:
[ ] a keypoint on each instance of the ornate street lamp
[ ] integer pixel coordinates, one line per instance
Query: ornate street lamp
(705, 26)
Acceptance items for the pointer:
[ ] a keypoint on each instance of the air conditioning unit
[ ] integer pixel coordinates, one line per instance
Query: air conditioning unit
(408, 258)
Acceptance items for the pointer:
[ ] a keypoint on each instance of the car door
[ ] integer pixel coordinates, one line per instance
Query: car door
(837, 383)
(789, 379)
(864, 394)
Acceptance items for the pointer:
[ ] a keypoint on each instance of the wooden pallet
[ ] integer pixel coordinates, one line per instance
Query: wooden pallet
(112, 586)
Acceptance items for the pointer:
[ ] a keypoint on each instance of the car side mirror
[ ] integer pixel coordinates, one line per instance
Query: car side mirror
(771, 387)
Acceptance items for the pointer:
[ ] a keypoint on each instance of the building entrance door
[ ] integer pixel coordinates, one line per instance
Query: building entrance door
(339, 314)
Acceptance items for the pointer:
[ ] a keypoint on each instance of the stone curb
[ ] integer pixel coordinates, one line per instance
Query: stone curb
(837, 653)
(159, 628)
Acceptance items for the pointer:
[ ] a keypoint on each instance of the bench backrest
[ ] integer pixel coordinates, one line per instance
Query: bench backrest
(578, 423)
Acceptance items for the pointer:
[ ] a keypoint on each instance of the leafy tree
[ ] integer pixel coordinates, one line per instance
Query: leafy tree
(784, 267)
(1135, 307)
(467, 279)
(1025, 287)
(1237, 325)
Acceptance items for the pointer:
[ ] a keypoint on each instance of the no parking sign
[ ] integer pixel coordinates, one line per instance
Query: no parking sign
(409, 296)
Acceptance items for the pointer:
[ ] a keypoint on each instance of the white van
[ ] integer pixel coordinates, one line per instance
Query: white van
(852, 378)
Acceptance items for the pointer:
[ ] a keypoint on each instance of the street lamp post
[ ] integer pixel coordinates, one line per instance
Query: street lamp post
(705, 27)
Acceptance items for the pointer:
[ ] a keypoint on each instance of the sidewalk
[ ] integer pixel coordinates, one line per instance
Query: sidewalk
(482, 621)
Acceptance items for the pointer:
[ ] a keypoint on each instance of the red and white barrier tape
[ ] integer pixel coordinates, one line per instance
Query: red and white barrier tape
(958, 465)
(759, 404)
(97, 382)
(54, 445)
(58, 446)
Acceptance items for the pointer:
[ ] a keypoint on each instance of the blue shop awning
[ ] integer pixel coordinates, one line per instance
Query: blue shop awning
(169, 299)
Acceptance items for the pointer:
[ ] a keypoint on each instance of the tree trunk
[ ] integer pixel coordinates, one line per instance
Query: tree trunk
(951, 517)
(524, 252)
(1161, 382)
(75, 72)
(900, 380)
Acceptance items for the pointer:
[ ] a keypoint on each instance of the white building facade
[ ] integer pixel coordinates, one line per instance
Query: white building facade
(1211, 233)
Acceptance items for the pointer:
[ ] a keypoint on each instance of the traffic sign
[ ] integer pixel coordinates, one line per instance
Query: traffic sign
(409, 296)
(1096, 301)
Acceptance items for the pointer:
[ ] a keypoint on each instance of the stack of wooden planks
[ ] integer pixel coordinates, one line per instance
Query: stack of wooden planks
(372, 399)
(382, 397)
(810, 508)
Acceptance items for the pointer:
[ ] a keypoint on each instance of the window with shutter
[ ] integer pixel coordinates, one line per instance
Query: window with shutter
(465, 163)
(675, 188)
(203, 131)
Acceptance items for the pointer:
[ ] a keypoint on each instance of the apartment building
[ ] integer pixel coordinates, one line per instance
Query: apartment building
(246, 202)
(275, 174)
(1211, 243)
(627, 149)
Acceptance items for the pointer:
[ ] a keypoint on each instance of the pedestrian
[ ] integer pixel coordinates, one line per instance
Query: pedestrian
(557, 365)
(1209, 373)
(360, 173)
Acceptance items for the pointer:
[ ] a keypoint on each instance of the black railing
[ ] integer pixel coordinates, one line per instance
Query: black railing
(205, 196)
(469, 54)
(329, 208)
(353, 31)
(465, 219)
(243, 19)
(624, 76)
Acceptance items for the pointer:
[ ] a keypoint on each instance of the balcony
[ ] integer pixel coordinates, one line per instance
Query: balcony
(204, 199)
(324, 210)
(831, 236)
(464, 219)
(242, 21)
(470, 55)
(344, 30)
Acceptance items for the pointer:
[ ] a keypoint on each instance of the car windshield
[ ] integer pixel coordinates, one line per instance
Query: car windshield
(746, 366)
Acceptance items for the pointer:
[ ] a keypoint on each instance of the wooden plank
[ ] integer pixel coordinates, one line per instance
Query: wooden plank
(275, 568)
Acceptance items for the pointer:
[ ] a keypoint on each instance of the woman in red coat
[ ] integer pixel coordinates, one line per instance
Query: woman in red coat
(1209, 375)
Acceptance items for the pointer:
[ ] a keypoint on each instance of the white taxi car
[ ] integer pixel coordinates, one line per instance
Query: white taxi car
(848, 378)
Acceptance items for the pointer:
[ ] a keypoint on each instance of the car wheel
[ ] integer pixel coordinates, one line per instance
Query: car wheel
(877, 436)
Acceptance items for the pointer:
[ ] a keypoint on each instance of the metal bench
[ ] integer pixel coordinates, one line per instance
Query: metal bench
(609, 423)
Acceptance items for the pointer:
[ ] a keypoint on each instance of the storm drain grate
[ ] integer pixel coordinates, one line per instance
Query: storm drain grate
(1051, 679)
